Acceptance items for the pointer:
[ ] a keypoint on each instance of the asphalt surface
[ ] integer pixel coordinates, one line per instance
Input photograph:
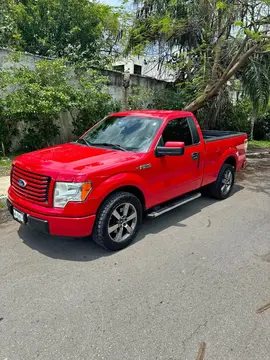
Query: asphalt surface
(196, 274)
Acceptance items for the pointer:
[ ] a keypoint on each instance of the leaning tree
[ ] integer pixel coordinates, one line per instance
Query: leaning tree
(206, 42)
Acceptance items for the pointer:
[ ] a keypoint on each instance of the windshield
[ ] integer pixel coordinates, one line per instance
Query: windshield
(126, 133)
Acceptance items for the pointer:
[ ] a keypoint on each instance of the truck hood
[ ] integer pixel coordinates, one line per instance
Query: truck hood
(73, 159)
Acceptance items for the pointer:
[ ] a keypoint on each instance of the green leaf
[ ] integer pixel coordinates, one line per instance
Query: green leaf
(249, 33)
(238, 23)
(165, 24)
(221, 5)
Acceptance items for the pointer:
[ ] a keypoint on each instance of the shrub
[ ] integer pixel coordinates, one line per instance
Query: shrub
(140, 98)
(168, 99)
(93, 101)
(262, 127)
(37, 96)
(222, 114)
(165, 99)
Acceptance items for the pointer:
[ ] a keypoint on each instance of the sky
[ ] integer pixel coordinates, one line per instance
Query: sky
(112, 2)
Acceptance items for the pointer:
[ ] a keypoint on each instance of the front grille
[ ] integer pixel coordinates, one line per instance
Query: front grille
(34, 187)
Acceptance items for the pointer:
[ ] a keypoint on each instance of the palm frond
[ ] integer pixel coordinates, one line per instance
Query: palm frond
(255, 79)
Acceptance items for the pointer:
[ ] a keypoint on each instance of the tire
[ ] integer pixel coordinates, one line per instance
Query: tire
(111, 215)
(217, 188)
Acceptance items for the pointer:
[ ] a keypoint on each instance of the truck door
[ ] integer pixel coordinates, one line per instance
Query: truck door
(181, 174)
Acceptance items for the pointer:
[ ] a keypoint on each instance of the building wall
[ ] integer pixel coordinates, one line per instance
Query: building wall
(149, 65)
(115, 89)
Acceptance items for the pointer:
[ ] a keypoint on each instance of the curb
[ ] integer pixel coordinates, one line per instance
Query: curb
(4, 213)
(258, 155)
(3, 199)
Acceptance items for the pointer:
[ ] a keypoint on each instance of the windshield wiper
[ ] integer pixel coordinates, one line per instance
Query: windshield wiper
(83, 141)
(114, 146)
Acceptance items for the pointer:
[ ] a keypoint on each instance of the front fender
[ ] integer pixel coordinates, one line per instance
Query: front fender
(118, 181)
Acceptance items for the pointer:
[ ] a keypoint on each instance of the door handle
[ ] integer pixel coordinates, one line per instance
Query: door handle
(195, 156)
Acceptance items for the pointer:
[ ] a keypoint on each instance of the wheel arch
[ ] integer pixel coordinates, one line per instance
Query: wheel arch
(231, 160)
(127, 182)
(130, 189)
(229, 157)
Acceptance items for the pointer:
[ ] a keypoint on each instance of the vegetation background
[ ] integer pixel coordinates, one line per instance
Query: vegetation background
(219, 51)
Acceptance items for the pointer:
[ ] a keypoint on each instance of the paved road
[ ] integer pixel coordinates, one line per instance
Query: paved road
(196, 274)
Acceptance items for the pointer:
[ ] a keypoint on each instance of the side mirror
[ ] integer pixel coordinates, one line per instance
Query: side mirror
(171, 148)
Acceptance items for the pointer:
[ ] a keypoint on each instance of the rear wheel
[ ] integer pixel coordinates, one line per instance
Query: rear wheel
(222, 187)
(118, 221)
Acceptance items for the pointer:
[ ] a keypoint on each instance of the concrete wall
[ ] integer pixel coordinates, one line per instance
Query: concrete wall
(115, 88)
(115, 77)
(150, 66)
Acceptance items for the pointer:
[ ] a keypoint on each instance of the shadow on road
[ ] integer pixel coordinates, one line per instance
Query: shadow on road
(178, 216)
(86, 250)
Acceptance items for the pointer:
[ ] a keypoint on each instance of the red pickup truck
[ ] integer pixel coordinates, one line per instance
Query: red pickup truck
(129, 164)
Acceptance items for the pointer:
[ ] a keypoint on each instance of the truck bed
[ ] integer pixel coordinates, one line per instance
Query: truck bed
(213, 135)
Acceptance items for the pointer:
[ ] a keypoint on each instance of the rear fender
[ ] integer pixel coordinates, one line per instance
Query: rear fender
(229, 153)
(212, 176)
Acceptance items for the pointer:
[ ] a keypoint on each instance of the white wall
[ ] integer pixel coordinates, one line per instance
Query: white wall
(150, 67)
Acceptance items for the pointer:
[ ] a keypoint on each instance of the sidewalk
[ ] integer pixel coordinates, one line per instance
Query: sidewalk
(4, 184)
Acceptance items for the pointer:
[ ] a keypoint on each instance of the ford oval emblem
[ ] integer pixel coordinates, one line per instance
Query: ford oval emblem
(22, 183)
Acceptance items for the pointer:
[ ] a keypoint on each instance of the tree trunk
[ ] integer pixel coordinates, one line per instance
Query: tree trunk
(252, 123)
(124, 98)
(196, 104)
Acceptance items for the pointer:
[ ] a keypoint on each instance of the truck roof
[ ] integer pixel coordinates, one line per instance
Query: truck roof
(163, 114)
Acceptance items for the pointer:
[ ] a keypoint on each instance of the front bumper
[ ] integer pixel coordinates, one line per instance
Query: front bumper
(56, 225)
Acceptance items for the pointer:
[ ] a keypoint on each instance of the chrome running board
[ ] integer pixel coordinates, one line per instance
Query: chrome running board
(173, 205)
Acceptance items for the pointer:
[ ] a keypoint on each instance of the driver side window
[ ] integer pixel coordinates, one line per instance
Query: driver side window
(176, 130)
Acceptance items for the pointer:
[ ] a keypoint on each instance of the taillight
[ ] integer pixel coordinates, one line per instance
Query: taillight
(246, 145)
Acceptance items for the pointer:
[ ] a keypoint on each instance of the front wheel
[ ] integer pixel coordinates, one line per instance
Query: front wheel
(118, 221)
(222, 187)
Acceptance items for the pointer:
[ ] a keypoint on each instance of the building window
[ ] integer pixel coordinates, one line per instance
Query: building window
(137, 70)
(120, 68)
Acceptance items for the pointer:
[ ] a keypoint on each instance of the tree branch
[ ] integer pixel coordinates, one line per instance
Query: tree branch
(236, 56)
(227, 75)
(229, 72)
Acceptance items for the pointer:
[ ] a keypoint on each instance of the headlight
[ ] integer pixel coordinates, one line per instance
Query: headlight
(65, 192)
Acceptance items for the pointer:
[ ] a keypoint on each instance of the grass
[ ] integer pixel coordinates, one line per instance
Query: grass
(6, 162)
(3, 205)
(259, 144)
